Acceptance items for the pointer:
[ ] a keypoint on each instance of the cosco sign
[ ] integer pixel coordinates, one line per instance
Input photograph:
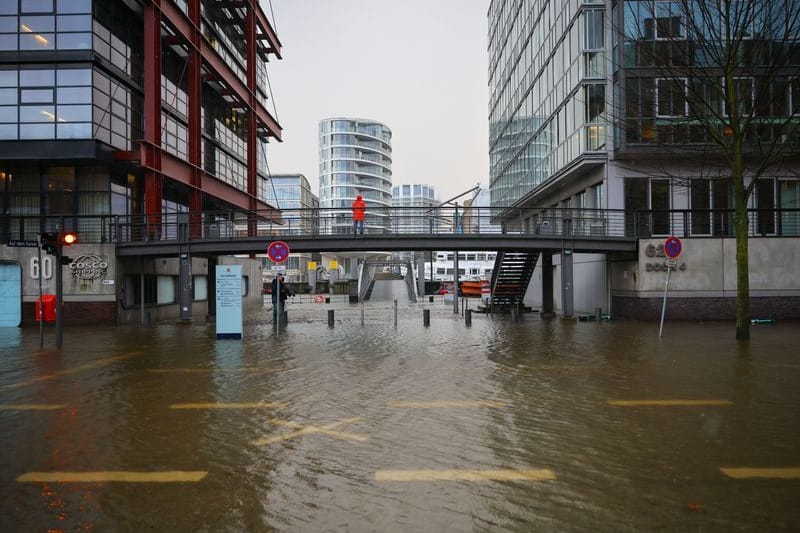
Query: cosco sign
(88, 267)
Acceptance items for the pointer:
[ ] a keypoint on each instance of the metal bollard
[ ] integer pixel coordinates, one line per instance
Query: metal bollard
(468, 317)
(395, 312)
(330, 318)
(426, 317)
(598, 311)
(514, 314)
(362, 314)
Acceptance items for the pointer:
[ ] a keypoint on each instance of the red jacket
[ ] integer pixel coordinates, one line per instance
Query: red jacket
(359, 208)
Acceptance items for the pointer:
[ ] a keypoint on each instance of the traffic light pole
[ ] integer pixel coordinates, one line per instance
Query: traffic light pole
(41, 303)
(59, 289)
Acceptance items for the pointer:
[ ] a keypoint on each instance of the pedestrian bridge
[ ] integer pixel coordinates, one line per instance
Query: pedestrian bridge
(388, 229)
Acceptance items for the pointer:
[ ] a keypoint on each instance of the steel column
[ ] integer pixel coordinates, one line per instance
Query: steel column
(153, 186)
(194, 141)
(567, 304)
(547, 285)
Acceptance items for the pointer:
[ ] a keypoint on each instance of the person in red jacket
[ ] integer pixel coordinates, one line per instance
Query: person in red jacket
(359, 209)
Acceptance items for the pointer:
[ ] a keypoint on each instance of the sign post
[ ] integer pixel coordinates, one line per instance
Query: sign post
(278, 251)
(672, 248)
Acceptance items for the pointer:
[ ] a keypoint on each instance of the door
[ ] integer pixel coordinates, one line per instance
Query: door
(10, 294)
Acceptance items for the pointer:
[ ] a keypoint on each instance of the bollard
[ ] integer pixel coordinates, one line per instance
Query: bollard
(468, 317)
(514, 313)
(362, 314)
(330, 318)
(395, 312)
(327, 299)
(426, 317)
(598, 312)
(430, 299)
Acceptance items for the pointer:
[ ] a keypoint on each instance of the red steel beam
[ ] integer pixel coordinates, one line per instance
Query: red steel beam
(184, 27)
(153, 184)
(182, 172)
(267, 29)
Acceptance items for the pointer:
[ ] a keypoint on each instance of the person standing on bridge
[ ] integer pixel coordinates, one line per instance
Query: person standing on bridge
(359, 209)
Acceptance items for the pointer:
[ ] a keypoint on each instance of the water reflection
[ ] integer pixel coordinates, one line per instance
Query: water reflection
(511, 395)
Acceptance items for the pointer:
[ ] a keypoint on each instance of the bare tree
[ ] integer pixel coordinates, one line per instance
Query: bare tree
(716, 82)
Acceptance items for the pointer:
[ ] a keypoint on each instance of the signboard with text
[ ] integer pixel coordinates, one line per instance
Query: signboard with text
(229, 301)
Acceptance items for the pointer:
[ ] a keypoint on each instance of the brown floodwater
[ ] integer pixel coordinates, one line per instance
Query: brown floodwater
(401, 428)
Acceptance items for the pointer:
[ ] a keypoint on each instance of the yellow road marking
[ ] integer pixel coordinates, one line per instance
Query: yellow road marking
(170, 476)
(777, 473)
(31, 406)
(435, 405)
(636, 403)
(70, 371)
(309, 429)
(240, 405)
(249, 370)
(465, 475)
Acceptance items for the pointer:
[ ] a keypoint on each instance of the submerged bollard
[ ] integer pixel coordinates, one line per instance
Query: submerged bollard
(598, 311)
(395, 312)
(330, 318)
(426, 317)
(362, 314)
(468, 317)
(514, 314)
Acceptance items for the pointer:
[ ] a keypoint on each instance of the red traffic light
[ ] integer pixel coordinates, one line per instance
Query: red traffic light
(69, 237)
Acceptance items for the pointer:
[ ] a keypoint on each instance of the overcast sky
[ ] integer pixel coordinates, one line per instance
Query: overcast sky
(418, 66)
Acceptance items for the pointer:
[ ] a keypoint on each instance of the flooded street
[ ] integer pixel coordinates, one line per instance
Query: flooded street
(533, 425)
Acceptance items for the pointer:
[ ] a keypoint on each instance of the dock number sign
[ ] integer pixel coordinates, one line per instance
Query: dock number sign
(673, 247)
(278, 251)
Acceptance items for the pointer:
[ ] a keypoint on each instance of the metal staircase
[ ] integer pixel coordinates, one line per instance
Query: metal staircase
(510, 277)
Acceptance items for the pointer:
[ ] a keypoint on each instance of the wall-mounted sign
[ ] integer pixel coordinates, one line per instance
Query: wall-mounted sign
(88, 267)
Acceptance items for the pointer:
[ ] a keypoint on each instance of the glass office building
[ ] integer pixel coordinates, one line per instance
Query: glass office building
(588, 96)
(141, 112)
(355, 158)
(112, 107)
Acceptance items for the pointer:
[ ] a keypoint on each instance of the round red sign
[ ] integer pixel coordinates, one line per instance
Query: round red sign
(278, 251)
(673, 247)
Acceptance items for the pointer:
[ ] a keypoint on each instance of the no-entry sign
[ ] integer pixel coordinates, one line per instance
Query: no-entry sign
(673, 247)
(278, 251)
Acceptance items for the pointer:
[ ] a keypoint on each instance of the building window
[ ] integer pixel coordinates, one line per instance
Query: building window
(671, 97)
(765, 206)
(790, 199)
(165, 290)
(668, 20)
(200, 288)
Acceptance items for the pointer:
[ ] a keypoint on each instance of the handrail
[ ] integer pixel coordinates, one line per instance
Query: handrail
(335, 222)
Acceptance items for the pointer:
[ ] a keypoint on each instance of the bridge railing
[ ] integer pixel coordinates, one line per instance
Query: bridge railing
(336, 223)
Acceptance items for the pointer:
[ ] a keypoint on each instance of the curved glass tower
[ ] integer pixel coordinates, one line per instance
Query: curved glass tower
(355, 157)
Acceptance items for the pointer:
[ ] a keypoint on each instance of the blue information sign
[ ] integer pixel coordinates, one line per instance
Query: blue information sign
(673, 247)
(229, 301)
(278, 251)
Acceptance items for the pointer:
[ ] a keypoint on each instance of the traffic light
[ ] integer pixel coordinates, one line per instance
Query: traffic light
(49, 242)
(68, 238)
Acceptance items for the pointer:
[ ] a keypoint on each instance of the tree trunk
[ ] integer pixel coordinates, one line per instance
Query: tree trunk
(741, 223)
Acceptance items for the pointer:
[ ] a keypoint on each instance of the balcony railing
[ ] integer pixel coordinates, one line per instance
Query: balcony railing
(388, 221)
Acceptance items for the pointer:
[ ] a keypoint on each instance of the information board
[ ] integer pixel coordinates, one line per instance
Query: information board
(229, 301)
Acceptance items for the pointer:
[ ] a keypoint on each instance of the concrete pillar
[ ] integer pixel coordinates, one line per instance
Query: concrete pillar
(547, 285)
(567, 303)
(211, 296)
(421, 276)
(185, 287)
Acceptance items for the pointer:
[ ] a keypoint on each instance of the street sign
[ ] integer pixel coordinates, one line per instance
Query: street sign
(673, 247)
(278, 251)
(22, 244)
(672, 263)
